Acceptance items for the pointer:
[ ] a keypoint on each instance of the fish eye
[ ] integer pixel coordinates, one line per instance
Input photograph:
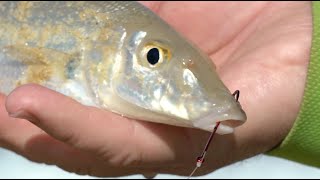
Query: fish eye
(153, 56)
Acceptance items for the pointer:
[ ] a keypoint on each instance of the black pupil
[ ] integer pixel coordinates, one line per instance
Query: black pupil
(153, 56)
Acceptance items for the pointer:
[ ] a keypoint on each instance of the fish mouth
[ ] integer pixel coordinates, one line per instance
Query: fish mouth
(228, 121)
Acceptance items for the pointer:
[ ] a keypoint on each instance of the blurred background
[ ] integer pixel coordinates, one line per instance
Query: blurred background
(260, 167)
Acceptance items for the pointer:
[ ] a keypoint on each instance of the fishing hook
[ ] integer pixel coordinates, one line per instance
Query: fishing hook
(200, 159)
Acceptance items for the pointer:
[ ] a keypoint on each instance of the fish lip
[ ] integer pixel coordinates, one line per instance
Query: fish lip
(229, 121)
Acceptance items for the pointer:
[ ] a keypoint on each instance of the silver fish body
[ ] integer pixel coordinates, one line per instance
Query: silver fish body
(99, 54)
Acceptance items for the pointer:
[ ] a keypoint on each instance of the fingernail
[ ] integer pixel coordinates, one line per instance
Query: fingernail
(150, 175)
(21, 114)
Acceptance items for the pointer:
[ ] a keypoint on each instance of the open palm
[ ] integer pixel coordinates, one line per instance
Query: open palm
(260, 48)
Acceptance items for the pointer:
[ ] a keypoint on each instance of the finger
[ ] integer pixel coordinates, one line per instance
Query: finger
(14, 132)
(66, 119)
(28, 140)
(117, 139)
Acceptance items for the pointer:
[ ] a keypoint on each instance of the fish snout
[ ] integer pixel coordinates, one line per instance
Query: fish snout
(230, 116)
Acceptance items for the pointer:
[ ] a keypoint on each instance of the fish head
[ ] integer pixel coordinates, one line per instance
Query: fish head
(166, 75)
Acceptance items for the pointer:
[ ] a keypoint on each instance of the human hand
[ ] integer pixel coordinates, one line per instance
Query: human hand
(260, 48)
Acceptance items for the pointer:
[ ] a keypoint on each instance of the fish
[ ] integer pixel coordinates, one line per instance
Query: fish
(115, 55)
